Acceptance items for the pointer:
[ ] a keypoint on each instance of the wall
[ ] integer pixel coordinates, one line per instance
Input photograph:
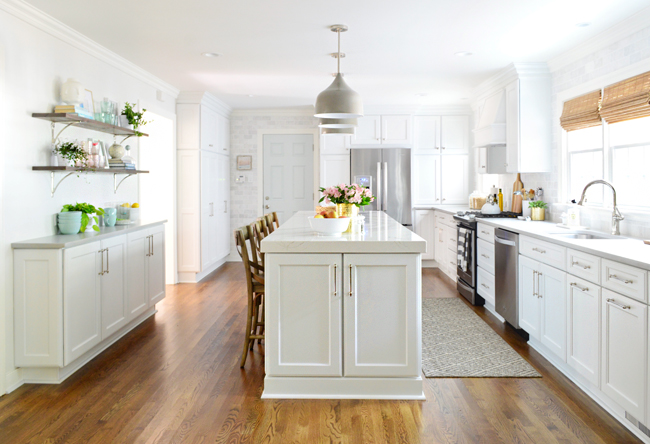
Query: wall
(40, 54)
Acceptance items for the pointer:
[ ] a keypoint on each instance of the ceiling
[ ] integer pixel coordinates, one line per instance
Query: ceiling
(275, 53)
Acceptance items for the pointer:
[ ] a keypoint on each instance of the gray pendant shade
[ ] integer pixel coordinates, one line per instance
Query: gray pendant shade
(334, 131)
(339, 101)
(338, 123)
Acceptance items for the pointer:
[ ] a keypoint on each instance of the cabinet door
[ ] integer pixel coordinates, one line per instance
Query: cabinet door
(440, 250)
(334, 169)
(137, 248)
(583, 328)
(552, 296)
(335, 144)
(426, 135)
(156, 265)
(424, 228)
(303, 314)
(188, 124)
(425, 179)
(368, 131)
(209, 129)
(223, 136)
(382, 315)
(113, 287)
(454, 179)
(481, 160)
(209, 207)
(82, 323)
(454, 134)
(512, 127)
(189, 211)
(529, 301)
(396, 129)
(223, 234)
(624, 350)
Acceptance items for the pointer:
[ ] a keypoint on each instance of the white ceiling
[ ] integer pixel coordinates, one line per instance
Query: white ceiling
(277, 50)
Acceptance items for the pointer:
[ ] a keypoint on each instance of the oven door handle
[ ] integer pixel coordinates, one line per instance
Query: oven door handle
(462, 284)
(504, 241)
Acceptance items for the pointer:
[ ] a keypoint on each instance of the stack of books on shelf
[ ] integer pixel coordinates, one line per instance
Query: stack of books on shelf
(74, 109)
(120, 164)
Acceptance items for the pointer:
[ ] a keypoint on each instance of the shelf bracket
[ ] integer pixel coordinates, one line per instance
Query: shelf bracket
(54, 187)
(117, 184)
(126, 138)
(55, 138)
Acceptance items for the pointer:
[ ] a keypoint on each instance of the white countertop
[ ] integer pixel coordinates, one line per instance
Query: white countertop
(625, 250)
(59, 241)
(382, 234)
(449, 209)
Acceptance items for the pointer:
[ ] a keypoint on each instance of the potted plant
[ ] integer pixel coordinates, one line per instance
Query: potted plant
(135, 119)
(89, 215)
(537, 209)
(73, 153)
(348, 199)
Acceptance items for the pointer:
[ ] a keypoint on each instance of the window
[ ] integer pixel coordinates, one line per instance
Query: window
(585, 162)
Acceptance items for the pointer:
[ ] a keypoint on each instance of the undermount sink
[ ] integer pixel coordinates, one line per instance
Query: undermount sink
(586, 235)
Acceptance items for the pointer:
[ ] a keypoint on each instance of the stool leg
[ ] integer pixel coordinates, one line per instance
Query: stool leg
(255, 314)
(247, 340)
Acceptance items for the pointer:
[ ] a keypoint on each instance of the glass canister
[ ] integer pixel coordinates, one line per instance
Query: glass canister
(477, 200)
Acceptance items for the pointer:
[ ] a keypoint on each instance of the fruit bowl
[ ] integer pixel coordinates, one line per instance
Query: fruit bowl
(329, 227)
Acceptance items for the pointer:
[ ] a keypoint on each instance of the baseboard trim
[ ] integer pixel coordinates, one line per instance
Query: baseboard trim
(14, 379)
(489, 307)
(195, 278)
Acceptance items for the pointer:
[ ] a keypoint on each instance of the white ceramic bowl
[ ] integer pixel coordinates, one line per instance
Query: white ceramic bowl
(329, 227)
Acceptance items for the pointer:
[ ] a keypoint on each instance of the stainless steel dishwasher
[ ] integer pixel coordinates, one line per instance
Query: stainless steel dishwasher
(506, 252)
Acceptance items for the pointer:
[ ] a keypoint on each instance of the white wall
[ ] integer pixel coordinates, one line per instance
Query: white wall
(37, 63)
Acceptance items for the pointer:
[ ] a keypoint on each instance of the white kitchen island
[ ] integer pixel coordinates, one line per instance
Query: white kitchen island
(343, 314)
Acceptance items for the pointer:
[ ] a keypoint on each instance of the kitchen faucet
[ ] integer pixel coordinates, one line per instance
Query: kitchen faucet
(616, 215)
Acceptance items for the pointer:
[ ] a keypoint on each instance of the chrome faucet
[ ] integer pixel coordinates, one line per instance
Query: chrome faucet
(616, 215)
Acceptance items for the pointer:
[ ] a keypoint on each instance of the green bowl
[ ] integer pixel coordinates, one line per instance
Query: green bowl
(69, 228)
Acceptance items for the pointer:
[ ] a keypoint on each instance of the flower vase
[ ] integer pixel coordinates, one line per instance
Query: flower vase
(347, 210)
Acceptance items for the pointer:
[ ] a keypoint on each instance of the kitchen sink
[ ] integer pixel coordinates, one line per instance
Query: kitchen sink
(586, 235)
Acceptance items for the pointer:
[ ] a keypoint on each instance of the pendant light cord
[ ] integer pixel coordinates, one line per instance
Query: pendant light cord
(338, 55)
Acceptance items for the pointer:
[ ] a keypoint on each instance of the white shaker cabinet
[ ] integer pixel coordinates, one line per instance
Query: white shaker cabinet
(334, 170)
(209, 129)
(138, 247)
(454, 179)
(583, 328)
(334, 144)
(368, 131)
(425, 228)
(426, 134)
(113, 285)
(529, 301)
(156, 265)
(454, 134)
(426, 189)
(552, 295)
(383, 130)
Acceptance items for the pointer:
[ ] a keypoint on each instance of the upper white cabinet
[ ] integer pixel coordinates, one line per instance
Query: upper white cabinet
(425, 170)
(335, 144)
(368, 131)
(454, 134)
(210, 129)
(383, 130)
(454, 179)
(334, 169)
(223, 136)
(426, 134)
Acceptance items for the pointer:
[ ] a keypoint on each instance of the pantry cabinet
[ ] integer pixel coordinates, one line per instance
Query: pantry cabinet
(454, 179)
(215, 198)
(425, 170)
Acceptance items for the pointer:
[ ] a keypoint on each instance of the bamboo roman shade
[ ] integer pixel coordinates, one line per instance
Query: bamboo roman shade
(627, 100)
(581, 112)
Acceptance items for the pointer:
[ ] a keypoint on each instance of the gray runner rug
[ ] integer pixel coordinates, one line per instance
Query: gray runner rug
(456, 343)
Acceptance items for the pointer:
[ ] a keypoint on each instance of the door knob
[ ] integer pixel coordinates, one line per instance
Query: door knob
(267, 198)
(267, 207)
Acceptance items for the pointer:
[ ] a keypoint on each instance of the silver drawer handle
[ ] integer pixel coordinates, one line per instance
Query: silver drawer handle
(483, 285)
(485, 256)
(573, 284)
(453, 263)
(485, 232)
(452, 239)
(335, 280)
(539, 251)
(618, 304)
(585, 267)
(625, 281)
(350, 292)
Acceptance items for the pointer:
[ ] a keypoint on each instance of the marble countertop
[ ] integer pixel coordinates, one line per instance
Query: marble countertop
(449, 209)
(625, 250)
(382, 234)
(59, 241)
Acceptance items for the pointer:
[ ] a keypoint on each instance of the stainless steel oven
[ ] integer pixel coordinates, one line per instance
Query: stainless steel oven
(466, 261)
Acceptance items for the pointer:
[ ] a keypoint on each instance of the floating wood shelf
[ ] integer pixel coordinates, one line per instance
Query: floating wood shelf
(72, 170)
(82, 122)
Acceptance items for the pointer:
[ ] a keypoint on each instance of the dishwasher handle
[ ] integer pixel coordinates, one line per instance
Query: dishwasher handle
(504, 241)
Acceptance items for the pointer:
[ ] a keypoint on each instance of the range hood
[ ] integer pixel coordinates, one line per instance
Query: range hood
(491, 127)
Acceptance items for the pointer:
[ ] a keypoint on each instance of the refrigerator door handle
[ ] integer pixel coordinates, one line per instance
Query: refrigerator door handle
(378, 186)
(385, 199)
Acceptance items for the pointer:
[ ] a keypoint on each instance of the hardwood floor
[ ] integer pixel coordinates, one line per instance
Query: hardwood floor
(176, 378)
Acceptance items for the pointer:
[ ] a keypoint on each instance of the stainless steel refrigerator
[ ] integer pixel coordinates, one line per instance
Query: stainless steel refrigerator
(387, 172)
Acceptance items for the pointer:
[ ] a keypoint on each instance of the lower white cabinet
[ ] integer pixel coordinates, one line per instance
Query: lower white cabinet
(624, 352)
(583, 328)
(425, 228)
(156, 265)
(529, 303)
(113, 285)
(138, 247)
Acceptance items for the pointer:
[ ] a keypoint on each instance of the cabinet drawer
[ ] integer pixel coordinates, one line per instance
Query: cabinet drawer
(485, 285)
(586, 266)
(451, 239)
(485, 232)
(627, 280)
(545, 252)
(444, 219)
(485, 257)
(451, 265)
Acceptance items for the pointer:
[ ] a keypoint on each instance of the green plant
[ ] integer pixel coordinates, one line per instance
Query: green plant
(537, 204)
(85, 209)
(135, 118)
(72, 152)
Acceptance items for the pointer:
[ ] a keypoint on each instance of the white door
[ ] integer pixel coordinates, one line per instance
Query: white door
(583, 328)
(334, 170)
(454, 134)
(156, 264)
(113, 287)
(454, 179)
(303, 314)
(368, 131)
(288, 174)
(335, 144)
(552, 296)
(529, 303)
(137, 248)
(222, 209)
(396, 129)
(425, 169)
(381, 315)
(82, 322)
(426, 135)
(512, 127)
(424, 227)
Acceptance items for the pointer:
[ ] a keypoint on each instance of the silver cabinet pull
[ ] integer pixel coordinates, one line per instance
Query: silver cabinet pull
(534, 280)
(151, 244)
(452, 239)
(335, 292)
(585, 267)
(539, 294)
(539, 251)
(484, 232)
(350, 292)
(574, 284)
(485, 256)
(107, 264)
(483, 285)
(618, 304)
(625, 281)
(102, 253)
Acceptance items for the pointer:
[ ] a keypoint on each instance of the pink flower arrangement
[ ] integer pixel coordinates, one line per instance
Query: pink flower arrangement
(347, 194)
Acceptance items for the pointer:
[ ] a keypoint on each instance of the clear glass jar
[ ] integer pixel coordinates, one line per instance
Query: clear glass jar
(477, 200)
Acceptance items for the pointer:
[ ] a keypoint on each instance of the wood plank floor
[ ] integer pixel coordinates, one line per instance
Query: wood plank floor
(176, 378)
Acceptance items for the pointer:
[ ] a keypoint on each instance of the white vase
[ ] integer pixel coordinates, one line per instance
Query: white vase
(72, 92)
(91, 222)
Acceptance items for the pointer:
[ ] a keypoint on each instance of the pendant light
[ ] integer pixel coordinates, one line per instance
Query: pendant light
(338, 123)
(339, 101)
(335, 131)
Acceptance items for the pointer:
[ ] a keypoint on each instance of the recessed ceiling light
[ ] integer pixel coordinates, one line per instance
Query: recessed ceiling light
(463, 98)
(250, 95)
(583, 24)
(421, 95)
(463, 54)
(210, 54)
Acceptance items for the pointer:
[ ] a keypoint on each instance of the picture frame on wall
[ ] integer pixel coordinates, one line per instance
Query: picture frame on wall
(244, 163)
(88, 103)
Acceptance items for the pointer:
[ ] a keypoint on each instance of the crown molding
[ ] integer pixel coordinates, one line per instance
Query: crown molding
(369, 110)
(622, 29)
(294, 111)
(509, 74)
(37, 18)
(205, 98)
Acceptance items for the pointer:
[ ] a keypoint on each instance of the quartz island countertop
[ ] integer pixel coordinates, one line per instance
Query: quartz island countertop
(381, 234)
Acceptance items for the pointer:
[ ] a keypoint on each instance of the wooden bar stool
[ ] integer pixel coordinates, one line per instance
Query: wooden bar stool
(272, 221)
(255, 287)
